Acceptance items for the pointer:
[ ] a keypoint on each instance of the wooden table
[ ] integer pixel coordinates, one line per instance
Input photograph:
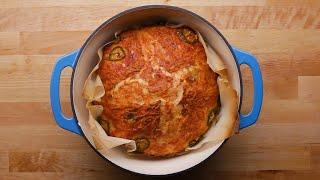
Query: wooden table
(284, 36)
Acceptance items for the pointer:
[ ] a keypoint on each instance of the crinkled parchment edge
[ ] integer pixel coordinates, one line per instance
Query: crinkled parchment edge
(225, 126)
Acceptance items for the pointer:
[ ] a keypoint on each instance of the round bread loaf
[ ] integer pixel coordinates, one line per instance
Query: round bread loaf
(159, 89)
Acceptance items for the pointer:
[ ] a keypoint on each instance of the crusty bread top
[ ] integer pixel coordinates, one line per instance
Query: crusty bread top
(159, 89)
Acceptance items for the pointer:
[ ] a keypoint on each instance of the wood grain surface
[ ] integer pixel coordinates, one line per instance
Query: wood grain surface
(284, 36)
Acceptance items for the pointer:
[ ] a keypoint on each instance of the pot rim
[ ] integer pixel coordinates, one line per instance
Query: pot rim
(138, 9)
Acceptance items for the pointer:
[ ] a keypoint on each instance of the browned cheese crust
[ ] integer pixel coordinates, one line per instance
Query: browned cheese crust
(160, 91)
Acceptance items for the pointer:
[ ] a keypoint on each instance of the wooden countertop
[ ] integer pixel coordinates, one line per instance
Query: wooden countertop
(284, 36)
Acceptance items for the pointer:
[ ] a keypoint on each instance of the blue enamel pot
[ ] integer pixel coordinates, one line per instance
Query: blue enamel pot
(84, 59)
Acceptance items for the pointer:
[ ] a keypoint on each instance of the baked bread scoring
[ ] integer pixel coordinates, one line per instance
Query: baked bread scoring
(159, 89)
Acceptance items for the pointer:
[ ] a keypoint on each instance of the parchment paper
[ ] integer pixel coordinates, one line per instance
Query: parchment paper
(225, 126)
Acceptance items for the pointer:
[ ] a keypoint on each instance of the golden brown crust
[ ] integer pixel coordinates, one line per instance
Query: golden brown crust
(162, 91)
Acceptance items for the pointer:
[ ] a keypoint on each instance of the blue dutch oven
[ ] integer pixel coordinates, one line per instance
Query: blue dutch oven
(84, 59)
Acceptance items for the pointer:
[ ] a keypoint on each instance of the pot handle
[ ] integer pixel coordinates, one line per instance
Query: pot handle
(248, 59)
(69, 124)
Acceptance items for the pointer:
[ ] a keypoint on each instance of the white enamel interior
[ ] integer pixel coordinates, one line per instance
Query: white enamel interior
(88, 59)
